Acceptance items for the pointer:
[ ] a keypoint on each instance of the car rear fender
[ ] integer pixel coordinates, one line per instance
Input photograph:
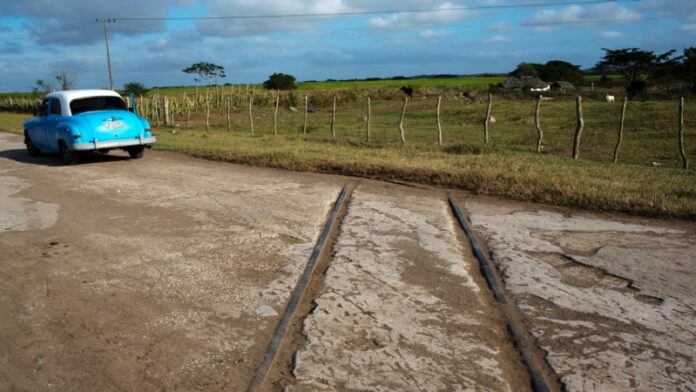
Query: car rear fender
(72, 130)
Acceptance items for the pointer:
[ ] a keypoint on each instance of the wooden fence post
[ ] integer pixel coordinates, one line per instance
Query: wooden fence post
(229, 114)
(439, 128)
(155, 101)
(173, 112)
(275, 115)
(537, 123)
(306, 111)
(333, 119)
(685, 160)
(367, 120)
(402, 132)
(619, 137)
(578, 129)
(166, 110)
(488, 117)
(207, 111)
(251, 116)
(188, 110)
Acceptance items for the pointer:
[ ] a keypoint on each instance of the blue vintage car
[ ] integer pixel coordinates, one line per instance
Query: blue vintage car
(70, 122)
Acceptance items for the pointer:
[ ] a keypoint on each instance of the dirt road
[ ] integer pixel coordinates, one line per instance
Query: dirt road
(170, 273)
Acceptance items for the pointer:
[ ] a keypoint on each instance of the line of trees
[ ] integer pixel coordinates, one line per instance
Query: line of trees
(638, 68)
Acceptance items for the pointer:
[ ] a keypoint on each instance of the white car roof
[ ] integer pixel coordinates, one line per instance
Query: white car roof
(69, 95)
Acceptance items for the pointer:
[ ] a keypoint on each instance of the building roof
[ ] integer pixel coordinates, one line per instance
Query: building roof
(524, 82)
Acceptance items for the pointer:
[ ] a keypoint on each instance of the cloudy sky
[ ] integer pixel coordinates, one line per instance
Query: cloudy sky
(152, 41)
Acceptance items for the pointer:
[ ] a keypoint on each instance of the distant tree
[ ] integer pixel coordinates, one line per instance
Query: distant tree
(555, 70)
(280, 81)
(635, 65)
(135, 88)
(66, 80)
(526, 69)
(687, 68)
(42, 87)
(206, 72)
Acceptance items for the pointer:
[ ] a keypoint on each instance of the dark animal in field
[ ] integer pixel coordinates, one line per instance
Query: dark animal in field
(408, 91)
(467, 96)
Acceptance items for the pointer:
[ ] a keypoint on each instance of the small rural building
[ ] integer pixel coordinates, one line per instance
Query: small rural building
(525, 82)
(561, 86)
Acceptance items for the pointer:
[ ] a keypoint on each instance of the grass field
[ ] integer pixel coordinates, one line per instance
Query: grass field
(647, 180)
(457, 82)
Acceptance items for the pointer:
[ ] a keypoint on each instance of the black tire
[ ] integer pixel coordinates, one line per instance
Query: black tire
(136, 152)
(70, 157)
(31, 148)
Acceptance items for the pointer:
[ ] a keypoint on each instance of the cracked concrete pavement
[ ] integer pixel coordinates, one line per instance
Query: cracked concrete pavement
(611, 300)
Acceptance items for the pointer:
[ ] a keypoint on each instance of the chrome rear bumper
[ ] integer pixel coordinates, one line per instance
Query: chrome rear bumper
(109, 144)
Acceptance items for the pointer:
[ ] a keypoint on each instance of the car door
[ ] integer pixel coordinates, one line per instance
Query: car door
(37, 132)
(51, 124)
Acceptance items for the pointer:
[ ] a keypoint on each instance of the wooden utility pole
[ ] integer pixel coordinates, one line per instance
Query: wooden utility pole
(106, 22)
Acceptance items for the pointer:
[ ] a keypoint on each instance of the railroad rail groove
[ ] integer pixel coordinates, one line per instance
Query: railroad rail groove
(320, 249)
(542, 377)
(278, 357)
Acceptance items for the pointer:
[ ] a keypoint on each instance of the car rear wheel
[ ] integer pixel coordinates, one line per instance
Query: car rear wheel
(136, 152)
(69, 156)
(31, 148)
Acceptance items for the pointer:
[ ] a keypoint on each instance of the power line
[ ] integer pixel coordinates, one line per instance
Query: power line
(595, 21)
(380, 12)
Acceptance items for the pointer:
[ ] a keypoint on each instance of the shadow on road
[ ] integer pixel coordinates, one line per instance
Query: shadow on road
(22, 156)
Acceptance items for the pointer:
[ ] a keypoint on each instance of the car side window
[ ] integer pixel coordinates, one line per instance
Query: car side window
(44, 107)
(55, 106)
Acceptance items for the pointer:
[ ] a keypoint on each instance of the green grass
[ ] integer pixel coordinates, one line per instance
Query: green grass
(647, 181)
(13, 122)
(458, 82)
(518, 175)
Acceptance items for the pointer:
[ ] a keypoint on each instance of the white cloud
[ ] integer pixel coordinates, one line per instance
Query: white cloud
(497, 38)
(543, 29)
(500, 27)
(434, 33)
(690, 27)
(573, 14)
(445, 14)
(610, 34)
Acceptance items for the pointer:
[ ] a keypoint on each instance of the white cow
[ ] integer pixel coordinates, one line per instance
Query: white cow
(610, 98)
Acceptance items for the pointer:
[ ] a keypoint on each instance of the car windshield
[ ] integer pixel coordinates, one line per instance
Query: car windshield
(78, 106)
